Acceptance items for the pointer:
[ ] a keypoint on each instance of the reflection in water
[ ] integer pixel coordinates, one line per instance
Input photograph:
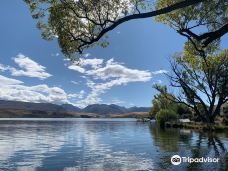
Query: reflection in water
(103, 144)
(71, 145)
(168, 139)
(187, 143)
(213, 147)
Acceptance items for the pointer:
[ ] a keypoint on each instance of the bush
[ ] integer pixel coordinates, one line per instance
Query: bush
(186, 116)
(152, 115)
(165, 115)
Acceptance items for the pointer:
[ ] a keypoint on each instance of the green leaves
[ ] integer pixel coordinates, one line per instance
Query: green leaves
(210, 16)
(202, 77)
(77, 24)
(163, 100)
(211, 13)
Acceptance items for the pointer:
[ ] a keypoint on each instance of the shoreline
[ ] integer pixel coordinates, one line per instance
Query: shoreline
(197, 126)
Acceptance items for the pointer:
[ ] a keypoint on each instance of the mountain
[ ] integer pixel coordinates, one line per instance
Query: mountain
(139, 109)
(104, 109)
(112, 109)
(42, 110)
(72, 108)
(16, 109)
(30, 106)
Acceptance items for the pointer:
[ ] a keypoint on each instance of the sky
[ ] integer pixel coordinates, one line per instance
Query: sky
(35, 70)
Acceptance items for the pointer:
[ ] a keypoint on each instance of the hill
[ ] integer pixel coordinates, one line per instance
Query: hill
(104, 109)
(10, 109)
(30, 106)
(70, 107)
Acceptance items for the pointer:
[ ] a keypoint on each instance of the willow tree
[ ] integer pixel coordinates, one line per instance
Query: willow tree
(201, 72)
(80, 24)
(203, 82)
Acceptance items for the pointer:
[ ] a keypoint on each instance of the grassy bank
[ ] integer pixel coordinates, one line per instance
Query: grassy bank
(197, 125)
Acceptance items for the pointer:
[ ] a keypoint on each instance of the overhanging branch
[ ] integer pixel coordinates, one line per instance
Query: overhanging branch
(165, 10)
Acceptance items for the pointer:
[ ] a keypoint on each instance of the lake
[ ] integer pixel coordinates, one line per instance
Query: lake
(104, 145)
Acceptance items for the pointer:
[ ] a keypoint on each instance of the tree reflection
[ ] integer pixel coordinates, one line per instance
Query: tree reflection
(209, 145)
(188, 143)
(168, 139)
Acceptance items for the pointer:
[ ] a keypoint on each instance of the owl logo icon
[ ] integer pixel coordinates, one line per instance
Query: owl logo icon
(176, 160)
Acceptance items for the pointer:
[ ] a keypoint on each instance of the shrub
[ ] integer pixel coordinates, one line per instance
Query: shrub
(187, 116)
(152, 114)
(165, 115)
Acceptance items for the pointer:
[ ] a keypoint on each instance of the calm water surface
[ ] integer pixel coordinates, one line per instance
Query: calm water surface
(103, 145)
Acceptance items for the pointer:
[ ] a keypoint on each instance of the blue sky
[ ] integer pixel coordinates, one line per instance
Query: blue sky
(32, 69)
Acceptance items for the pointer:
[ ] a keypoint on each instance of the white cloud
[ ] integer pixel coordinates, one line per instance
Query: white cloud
(94, 63)
(77, 68)
(74, 82)
(159, 81)
(29, 68)
(12, 89)
(100, 77)
(80, 95)
(3, 68)
(8, 81)
(116, 70)
(162, 71)
(86, 55)
(117, 101)
(38, 94)
(110, 74)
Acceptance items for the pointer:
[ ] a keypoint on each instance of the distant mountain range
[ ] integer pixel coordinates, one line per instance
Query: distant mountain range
(103, 109)
(31, 106)
(14, 108)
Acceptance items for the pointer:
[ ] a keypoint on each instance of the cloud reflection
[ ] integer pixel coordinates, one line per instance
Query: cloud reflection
(65, 145)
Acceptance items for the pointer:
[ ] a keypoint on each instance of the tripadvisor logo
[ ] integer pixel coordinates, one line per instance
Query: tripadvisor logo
(176, 160)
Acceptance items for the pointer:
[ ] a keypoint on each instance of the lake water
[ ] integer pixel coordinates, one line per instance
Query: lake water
(104, 145)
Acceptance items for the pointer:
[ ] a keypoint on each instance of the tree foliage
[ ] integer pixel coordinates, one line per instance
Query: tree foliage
(210, 16)
(161, 101)
(166, 101)
(165, 115)
(201, 72)
(80, 24)
(203, 80)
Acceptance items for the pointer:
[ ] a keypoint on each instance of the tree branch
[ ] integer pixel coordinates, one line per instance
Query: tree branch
(165, 10)
(206, 38)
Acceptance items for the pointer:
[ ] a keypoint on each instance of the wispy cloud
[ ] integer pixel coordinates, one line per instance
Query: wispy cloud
(109, 74)
(28, 68)
(55, 54)
(3, 68)
(94, 63)
(116, 70)
(80, 66)
(8, 81)
(162, 71)
(100, 76)
(74, 82)
(77, 68)
(86, 55)
(79, 95)
(117, 101)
